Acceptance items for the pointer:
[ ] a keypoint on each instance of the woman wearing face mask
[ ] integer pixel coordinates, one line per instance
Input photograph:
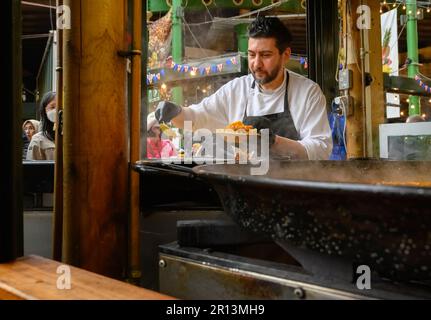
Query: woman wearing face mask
(42, 144)
(29, 129)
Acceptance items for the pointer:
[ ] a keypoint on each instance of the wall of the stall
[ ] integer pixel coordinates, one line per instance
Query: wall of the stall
(46, 78)
(11, 168)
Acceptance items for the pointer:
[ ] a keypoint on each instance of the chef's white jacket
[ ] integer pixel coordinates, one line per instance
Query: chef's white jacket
(306, 102)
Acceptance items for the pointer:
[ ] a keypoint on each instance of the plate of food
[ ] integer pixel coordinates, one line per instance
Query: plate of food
(238, 132)
(237, 129)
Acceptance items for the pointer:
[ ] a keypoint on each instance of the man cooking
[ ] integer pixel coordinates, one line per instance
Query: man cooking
(291, 106)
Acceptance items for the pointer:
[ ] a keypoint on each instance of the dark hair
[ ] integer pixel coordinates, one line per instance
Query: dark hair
(47, 125)
(271, 27)
(152, 134)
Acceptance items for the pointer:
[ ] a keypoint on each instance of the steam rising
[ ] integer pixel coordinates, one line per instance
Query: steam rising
(415, 173)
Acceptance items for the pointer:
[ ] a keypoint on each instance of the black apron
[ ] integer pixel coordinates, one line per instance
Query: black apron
(282, 123)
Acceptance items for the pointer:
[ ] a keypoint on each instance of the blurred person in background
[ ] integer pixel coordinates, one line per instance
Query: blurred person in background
(42, 144)
(29, 128)
(157, 147)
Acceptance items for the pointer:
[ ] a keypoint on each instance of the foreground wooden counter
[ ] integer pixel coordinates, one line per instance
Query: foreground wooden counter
(35, 278)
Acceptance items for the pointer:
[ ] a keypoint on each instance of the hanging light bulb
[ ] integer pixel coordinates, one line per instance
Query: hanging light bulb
(164, 86)
(394, 5)
(424, 115)
(413, 106)
(428, 9)
(408, 100)
(404, 7)
(429, 100)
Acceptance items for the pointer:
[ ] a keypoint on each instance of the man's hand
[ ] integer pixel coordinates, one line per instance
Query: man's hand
(166, 111)
(260, 123)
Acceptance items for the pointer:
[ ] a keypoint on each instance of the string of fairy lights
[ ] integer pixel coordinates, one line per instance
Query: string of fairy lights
(421, 5)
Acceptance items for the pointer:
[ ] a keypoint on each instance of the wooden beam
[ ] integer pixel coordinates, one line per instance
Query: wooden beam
(35, 278)
(355, 121)
(375, 94)
(57, 223)
(135, 142)
(95, 138)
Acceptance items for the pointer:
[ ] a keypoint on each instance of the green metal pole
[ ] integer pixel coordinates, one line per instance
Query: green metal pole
(412, 52)
(177, 45)
(242, 36)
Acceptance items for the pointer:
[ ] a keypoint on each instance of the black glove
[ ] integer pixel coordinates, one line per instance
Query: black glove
(166, 111)
(260, 123)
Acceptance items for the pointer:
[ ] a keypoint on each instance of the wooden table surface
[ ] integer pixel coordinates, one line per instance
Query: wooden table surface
(35, 278)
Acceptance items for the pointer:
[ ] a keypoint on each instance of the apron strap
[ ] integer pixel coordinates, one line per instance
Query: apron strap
(286, 100)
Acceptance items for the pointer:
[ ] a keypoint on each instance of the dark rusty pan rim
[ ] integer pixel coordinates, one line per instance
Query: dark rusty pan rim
(313, 186)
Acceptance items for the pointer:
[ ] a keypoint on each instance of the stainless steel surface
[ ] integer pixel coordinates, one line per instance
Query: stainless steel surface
(187, 279)
(192, 273)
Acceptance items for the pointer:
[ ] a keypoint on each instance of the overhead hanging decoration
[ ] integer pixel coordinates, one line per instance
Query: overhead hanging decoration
(257, 3)
(191, 70)
(238, 2)
(423, 85)
(207, 2)
(169, 3)
(159, 42)
(207, 69)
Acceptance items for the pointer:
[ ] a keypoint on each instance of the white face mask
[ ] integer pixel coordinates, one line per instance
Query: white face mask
(52, 115)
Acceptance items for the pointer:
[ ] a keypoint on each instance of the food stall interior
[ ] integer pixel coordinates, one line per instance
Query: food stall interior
(305, 229)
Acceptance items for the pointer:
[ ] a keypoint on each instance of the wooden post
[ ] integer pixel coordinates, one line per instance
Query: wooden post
(135, 131)
(355, 121)
(57, 225)
(375, 95)
(95, 138)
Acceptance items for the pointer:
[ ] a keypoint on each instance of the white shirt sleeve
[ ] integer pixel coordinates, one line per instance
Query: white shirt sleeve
(316, 133)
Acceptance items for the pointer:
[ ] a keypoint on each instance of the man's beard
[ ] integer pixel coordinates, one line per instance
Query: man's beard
(270, 76)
